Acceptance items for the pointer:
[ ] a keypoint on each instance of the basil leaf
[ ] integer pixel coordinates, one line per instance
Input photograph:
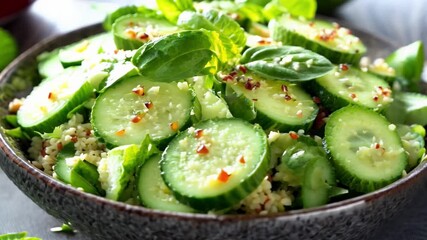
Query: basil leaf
(301, 8)
(173, 8)
(408, 61)
(214, 20)
(288, 63)
(176, 56)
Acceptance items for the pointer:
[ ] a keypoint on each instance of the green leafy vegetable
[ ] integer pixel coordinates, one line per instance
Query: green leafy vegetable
(180, 55)
(214, 20)
(17, 133)
(9, 48)
(125, 10)
(173, 8)
(286, 63)
(408, 61)
(301, 8)
(17, 236)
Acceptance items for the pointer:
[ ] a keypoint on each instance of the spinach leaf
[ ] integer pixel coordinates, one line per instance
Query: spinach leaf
(302, 8)
(173, 8)
(408, 61)
(17, 236)
(178, 56)
(286, 63)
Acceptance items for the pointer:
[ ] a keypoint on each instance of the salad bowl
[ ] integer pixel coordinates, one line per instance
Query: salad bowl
(100, 218)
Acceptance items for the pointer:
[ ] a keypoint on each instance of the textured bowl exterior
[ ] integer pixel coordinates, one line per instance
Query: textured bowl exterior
(356, 218)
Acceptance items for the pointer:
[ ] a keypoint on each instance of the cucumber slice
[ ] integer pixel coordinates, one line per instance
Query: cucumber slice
(365, 148)
(134, 107)
(153, 192)
(76, 172)
(48, 104)
(211, 105)
(117, 169)
(49, 64)
(275, 105)
(304, 164)
(216, 163)
(413, 143)
(133, 30)
(74, 54)
(328, 39)
(348, 85)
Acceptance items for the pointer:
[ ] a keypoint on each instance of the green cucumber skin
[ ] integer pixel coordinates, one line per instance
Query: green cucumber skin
(233, 196)
(149, 174)
(345, 176)
(85, 92)
(287, 37)
(159, 143)
(244, 108)
(330, 101)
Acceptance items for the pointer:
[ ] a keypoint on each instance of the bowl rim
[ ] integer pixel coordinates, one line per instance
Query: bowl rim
(25, 165)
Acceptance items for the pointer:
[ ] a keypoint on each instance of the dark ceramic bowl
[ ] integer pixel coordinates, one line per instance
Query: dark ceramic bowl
(100, 218)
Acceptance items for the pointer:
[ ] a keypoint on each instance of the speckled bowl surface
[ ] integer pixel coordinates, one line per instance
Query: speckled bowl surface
(355, 218)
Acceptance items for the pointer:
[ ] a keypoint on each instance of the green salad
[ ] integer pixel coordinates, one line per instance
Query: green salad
(223, 107)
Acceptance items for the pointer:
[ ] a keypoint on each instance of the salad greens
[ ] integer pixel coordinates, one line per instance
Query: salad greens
(9, 48)
(226, 115)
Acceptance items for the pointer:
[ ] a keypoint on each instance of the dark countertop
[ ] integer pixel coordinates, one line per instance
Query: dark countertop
(400, 21)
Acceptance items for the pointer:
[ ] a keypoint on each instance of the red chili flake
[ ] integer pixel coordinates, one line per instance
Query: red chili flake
(43, 150)
(143, 36)
(326, 36)
(375, 98)
(121, 132)
(267, 199)
(138, 90)
(250, 84)
(227, 78)
(311, 24)
(116, 51)
(386, 92)
(284, 88)
(380, 88)
(320, 119)
(353, 95)
(344, 67)
(174, 126)
(202, 149)
(316, 100)
(233, 74)
(243, 69)
(287, 97)
(148, 104)
(88, 133)
(263, 41)
(59, 146)
(198, 133)
(223, 176)
(377, 146)
(293, 135)
(242, 159)
(74, 138)
(51, 96)
(137, 118)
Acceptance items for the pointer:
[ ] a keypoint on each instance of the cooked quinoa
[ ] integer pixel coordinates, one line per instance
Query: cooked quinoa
(45, 148)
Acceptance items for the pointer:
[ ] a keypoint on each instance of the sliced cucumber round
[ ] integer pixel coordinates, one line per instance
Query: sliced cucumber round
(348, 85)
(134, 107)
(275, 105)
(48, 104)
(74, 54)
(133, 30)
(366, 149)
(216, 163)
(328, 39)
(153, 192)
